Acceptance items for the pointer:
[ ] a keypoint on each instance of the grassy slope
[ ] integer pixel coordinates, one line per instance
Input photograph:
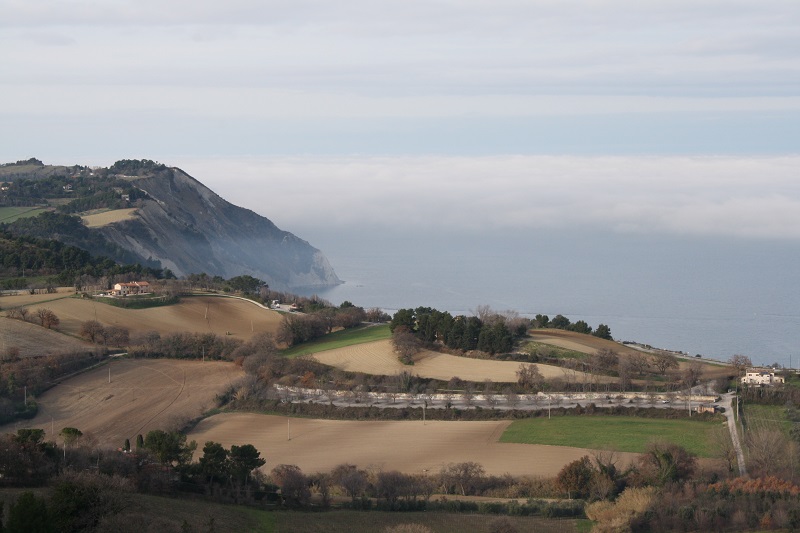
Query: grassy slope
(768, 417)
(340, 339)
(620, 433)
(172, 513)
(10, 214)
(356, 521)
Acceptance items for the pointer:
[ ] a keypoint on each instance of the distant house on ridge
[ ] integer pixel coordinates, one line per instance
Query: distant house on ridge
(132, 287)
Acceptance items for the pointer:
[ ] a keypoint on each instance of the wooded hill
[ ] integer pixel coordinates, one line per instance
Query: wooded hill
(28, 260)
(178, 223)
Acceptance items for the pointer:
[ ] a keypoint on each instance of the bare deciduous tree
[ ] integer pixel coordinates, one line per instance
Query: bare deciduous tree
(406, 344)
(512, 398)
(768, 450)
(638, 363)
(19, 313)
(463, 477)
(604, 360)
(624, 369)
(351, 479)
(692, 374)
(740, 362)
(468, 394)
(293, 483)
(92, 330)
(664, 361)
(488, 393)
(47, 318)
(723, 446)
(528, 376)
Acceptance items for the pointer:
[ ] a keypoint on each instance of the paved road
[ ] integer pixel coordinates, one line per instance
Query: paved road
(728, 400)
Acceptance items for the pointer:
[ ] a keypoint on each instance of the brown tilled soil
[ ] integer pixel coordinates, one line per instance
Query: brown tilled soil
(7, 302)
(143, 395)
(104, 218)
(570, 340)
(589, 344)
(379, 358)
(319, 445)
(32, 339)
(199, 314)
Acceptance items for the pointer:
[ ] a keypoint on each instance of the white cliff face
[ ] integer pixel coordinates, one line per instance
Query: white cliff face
(190, 229)
(320, 270)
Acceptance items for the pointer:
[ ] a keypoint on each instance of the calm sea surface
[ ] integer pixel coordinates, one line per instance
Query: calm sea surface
(714, 297)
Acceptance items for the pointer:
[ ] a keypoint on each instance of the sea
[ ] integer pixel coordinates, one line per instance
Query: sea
(707, 296)
(694, 254)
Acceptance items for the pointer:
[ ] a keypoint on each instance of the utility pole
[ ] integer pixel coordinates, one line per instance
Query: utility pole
(288, 431)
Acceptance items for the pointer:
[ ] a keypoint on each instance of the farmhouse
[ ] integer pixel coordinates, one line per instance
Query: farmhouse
(132, 287)
(707, 409)
(759, 377)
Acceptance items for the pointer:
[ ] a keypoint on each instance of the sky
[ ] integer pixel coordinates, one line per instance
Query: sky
(679, 117)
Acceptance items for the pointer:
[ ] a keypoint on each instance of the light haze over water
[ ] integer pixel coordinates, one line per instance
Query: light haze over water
(700, 295)
(697, 254)
(631, 163)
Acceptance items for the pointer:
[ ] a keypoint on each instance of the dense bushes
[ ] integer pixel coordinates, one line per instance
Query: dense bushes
(299, 328)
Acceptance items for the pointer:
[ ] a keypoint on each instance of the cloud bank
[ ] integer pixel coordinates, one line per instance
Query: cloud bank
(703, 196)
(121, 74)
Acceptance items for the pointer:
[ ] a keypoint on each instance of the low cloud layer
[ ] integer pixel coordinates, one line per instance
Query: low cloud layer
(723, 196)
(202, 76)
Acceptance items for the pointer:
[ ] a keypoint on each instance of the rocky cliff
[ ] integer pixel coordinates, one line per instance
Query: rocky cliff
(190, 229)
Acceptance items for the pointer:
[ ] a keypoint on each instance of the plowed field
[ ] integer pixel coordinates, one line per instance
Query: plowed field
(379, 358)
(199, 314)
(32, 339)
(319, 445)
(589, 344)
(143, 395)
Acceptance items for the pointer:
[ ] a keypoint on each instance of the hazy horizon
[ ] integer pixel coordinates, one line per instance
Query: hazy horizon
(359, 125)
(148, 79)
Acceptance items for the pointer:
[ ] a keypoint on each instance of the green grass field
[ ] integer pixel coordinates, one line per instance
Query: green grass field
(152, 513)
(340, 339)
(767, 416)
(377, 521)
(619, 433)
(10, 214)
(550, 350)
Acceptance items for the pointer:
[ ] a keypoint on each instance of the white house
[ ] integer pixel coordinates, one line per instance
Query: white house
(132, 287)
(760, 376)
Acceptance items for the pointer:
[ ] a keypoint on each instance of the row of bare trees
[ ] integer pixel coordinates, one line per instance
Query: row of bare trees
(465, 479)
(44, 316)
(112, 335)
